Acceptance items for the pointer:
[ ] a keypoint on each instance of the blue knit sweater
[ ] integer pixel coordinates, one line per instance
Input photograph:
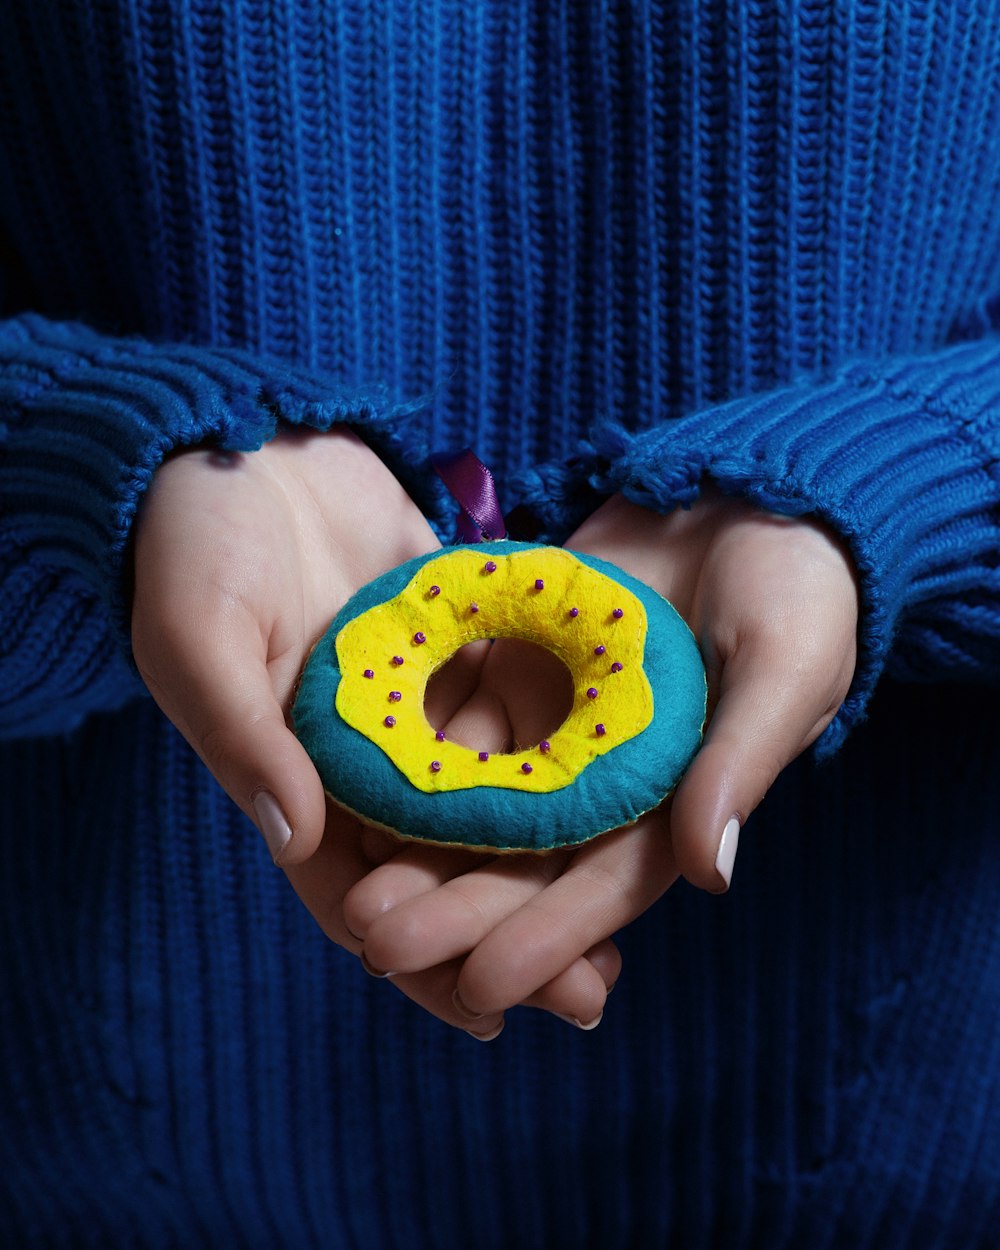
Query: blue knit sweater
(613, 246)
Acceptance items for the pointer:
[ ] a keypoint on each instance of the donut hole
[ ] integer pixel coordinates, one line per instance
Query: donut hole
(523, 682)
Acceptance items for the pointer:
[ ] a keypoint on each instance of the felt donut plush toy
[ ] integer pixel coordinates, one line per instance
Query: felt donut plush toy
(636, 719)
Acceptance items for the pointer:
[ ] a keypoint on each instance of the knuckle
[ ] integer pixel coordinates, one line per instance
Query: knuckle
(617, 891)
(761, 776)
(214, 745)
(475, 911)
(329, 916)
(149, 674)
(491, 980)
(359, 911)
(396, 939)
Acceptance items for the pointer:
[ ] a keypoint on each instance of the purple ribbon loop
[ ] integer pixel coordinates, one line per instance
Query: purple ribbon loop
(475, 491)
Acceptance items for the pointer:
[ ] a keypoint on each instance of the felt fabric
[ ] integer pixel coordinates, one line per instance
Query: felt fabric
(653, 710)
(387, 654)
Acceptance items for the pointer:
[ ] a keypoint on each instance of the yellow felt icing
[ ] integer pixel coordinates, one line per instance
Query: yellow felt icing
(509, 606)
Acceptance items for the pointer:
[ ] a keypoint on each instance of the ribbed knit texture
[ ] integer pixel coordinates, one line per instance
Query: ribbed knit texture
(612, 247)
(89, 418)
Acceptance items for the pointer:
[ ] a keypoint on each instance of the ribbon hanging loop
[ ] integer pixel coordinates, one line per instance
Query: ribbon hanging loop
(474, 490)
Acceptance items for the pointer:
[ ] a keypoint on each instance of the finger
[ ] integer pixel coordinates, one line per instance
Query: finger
(434, 990)
(413, 871)
(534, 687)
(607, 959)
(323, 882)
(770, 708)
(442, 923)
(481, 723)
(579, 993)
(607, 884)
(220, 695)
(454, 683)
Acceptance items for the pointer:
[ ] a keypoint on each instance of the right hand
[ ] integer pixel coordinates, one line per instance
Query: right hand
(773, 603)
(241, 562)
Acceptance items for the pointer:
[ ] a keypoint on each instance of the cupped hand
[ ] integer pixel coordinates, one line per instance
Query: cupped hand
(773, 603)
(241, 561)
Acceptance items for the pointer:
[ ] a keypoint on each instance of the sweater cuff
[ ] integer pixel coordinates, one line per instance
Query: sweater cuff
(899, 457)
(86, 419)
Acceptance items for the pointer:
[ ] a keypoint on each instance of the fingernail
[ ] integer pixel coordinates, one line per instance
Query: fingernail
(371, 969)
(271, 822)
(726, 857)
(462, 1010)
(579, 1023)
(486, 1037)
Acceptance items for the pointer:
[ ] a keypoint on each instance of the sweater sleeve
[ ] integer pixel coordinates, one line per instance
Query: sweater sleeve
(900, 456)
(85, 419)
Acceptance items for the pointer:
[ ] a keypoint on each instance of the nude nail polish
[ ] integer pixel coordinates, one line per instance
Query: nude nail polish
(486, 1037)
(462, 1010)
(591, 1024)
(726, 856)
(271, 822)
(371, 969)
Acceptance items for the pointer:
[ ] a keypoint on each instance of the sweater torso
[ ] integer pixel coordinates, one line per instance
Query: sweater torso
(539, 215)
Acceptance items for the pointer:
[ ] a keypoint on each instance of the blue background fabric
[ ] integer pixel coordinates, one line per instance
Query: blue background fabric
(613, 247)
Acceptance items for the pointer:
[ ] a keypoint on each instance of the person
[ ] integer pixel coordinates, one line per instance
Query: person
(713, 292)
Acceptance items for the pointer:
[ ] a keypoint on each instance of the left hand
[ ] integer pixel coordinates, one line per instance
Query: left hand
(240, 562)
(773, 603)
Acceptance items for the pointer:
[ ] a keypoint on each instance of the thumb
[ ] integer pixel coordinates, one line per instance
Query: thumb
(221, 698)
(761, 722)
(264, 768)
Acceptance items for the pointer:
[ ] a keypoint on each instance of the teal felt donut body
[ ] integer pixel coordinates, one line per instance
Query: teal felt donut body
(637, 719)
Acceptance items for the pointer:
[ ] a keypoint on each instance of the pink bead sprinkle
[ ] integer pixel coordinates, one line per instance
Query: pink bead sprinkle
(539, 584)
(473, 607)
(389, 722)
(394, 696)
(484, 756)
(618, 614)
(397, 660)
(545, 746)
(526, 767)
(616, 667)
(600, 730)
(490, 567)
(434, 590)
(419, 637)
(440, 735)
(592, 693)
(435, 766)
(600, 649)
(369, 672)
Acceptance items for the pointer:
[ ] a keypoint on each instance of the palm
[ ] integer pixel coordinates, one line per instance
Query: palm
(773, 604)
(240, 564)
